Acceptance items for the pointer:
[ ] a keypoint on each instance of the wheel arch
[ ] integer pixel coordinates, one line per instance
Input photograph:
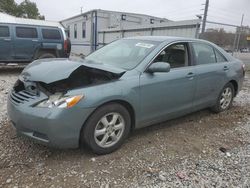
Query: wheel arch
(235, 84)
(41, 51)
(124, 103)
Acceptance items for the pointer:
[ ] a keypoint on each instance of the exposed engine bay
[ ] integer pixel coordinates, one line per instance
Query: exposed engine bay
(81, 77)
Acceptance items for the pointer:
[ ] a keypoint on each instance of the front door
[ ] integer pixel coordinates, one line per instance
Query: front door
(170, 94)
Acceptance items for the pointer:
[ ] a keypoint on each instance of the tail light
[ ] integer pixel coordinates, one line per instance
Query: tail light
(65, 46)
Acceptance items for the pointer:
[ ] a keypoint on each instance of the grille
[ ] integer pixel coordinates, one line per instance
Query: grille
(21, 96)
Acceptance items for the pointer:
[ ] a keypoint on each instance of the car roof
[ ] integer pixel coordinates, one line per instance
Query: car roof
(170, 39)
(164, 38)
(8, 19)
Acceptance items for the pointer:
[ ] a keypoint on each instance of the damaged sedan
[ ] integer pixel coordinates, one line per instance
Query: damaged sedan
(128, 84)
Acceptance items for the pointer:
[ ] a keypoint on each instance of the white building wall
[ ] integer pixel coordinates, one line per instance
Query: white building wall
(111, 20)
(187, 28)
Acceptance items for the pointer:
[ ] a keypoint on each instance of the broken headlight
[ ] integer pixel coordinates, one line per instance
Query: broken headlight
(59, 101)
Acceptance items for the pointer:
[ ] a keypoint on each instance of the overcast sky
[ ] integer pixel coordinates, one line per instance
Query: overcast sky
(226, 11)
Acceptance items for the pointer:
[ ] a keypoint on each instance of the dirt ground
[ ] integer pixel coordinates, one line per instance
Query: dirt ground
(199, 150)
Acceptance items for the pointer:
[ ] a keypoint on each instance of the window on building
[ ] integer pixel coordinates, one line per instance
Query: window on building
(152, 21)
(83, 29)
(75, 31)
(26, 32)
(4, 31)
(51, 34)
(204, 53)
(123, 17)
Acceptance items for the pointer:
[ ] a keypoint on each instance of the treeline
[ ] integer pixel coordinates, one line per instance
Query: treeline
(225, 39)
(25, 9)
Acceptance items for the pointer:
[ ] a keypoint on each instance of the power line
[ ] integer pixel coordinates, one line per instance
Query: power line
(183, 16)
(224, 14)
(224, 10)
(186, 9)
(223, 18)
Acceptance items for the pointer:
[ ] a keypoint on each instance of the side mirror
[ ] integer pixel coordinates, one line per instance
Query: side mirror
(159, 67)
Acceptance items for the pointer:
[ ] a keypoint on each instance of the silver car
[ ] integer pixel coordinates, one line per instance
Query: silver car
(128, 84)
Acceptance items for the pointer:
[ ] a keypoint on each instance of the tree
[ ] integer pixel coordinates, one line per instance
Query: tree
(8, 6)
(219, 37)
(26, 9)
(225, 39)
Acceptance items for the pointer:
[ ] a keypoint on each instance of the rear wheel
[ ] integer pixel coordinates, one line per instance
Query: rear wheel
(46, 55)
(107, 128)
(225, 99)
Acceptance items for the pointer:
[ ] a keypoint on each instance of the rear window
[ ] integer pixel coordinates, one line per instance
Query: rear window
(219, 57)
(4, 31)
(51, 34)
(26, 32)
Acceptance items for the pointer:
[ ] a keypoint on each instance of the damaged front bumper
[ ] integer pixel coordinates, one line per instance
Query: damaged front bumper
(55, 127)
(43, 80)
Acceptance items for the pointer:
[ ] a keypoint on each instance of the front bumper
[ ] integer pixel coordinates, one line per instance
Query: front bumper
(54, 127)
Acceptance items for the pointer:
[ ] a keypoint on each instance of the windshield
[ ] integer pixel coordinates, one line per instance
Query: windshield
(125, 53)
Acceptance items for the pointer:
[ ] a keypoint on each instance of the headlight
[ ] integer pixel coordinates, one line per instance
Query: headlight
(58, 101)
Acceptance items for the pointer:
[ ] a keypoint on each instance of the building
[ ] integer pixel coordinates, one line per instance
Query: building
(83, 29)
(90, 30)
(186, 28)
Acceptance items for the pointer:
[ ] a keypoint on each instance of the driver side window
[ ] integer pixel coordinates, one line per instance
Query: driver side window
(176, 55)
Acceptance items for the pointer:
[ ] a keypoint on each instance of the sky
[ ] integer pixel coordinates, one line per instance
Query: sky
(226, 11)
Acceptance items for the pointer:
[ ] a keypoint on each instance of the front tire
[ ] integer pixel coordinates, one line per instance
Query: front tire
(107, 128)
(225, 99)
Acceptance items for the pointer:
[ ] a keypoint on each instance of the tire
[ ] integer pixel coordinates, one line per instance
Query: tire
(46, 55)
(227, 93)
(106, 129)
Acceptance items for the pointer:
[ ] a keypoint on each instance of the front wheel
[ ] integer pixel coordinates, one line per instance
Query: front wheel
(225, 99)
(107, 128)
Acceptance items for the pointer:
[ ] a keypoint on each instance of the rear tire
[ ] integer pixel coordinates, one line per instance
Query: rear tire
(225, 99)
(106, 129)
(46, 55)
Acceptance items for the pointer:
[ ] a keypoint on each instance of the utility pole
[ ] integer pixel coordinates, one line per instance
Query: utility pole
(81, 9)
(205, 17)
(240, 30)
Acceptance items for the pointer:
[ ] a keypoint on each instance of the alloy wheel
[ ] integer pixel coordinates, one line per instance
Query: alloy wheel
(226, 98)
(109, 130)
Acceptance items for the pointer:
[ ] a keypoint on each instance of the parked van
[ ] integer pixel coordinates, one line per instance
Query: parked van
(24, 40)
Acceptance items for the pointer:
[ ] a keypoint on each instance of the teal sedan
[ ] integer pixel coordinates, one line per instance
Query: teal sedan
(128, 84)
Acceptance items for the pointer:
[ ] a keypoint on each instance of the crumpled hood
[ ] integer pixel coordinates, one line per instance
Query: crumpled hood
(51, 70)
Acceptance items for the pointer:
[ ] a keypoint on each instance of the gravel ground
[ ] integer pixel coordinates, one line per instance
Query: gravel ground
(199, 150)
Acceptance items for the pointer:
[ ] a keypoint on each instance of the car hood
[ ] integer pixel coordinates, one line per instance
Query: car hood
(52, 70)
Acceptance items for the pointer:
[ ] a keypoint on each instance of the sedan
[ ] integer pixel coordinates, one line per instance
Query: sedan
(129, 84)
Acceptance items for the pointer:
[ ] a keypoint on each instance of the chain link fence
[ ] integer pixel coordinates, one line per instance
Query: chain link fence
(232, 38)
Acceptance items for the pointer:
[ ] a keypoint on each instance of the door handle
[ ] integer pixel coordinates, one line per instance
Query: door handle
(7, 39)
(225, 68)
(190, 75)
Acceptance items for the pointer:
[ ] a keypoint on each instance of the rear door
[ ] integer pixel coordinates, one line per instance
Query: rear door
(6, 43)
(26, 42)
(211, 69)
